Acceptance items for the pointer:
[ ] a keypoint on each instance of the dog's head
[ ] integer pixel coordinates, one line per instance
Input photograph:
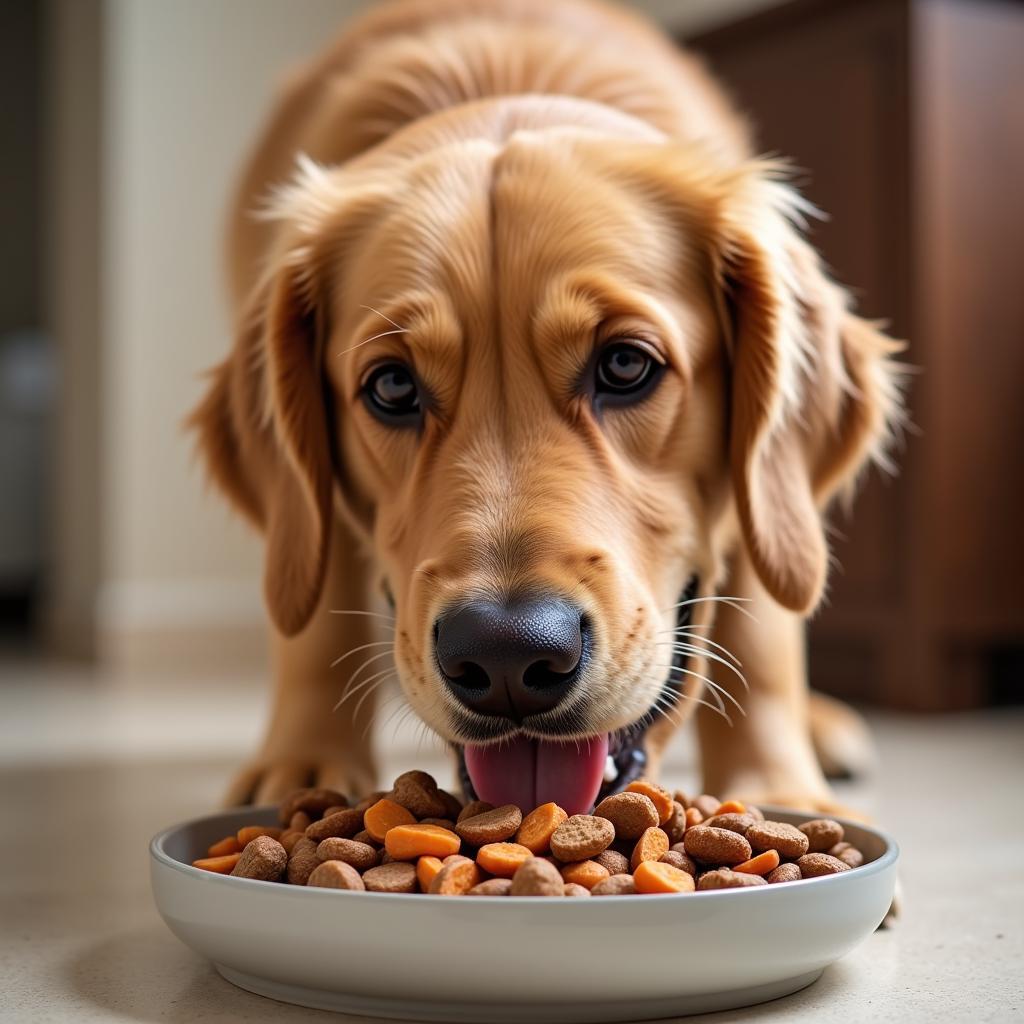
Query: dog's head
(548, 378)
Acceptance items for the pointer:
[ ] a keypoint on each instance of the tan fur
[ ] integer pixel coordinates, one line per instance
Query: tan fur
(502, 186)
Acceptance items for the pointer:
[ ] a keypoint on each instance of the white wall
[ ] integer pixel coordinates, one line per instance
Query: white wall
(185, 84)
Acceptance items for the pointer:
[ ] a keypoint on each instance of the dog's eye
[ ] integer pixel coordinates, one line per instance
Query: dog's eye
(623, 369)
(392, 394)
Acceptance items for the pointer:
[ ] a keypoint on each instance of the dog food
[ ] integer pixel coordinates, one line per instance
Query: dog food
(417, 838)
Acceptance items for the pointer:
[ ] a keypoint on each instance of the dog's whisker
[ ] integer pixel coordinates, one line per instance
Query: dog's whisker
(356, 611)
(711, 643)
(710, 682)
(361, 647)
(700, 652)
(372, 690)
(349, 693)
(369, 661)
(688, 644)
(693, 700)
(733, 602)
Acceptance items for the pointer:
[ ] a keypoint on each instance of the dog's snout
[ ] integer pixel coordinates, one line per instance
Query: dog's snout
(511, 659)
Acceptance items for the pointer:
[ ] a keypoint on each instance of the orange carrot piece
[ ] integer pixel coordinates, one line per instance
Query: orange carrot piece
(759, 865)
(229, 844)
(385, 815)
(654, 876)
(502, 859)
(538, 826)
(221, 865)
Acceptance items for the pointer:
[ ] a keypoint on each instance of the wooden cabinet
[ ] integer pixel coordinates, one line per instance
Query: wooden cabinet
(906, 120)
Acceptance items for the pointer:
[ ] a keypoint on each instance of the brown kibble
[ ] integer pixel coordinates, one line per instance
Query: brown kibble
(398, 876)
(335, 874)
(492, 887)
(417, 792)
(585, 872)
(574, 890)
(755, 812)
(343, 824)
(302, 861)
(813, 865)
(650, 846)
(289, 839)
(822, 834)
(365, 837)
(446, 823)
(452, 804)
(583, 836)
(629, 813)
(681, 860)
(848, 854)
(716, 845)
(733, 821)
(367, 802)
(473, 808)
(457, 876)
(536, 877)
(330, 810)
(681, 798)
(361, 856)
(658, 795)
(675, 827)
(538, 827)
(785, 873)
(263, 858)
(615, 885)
(493, 826)
(313, 801)
(776, 835)
(725, 879)
(707, 805)
(300, 820)
(616, 863)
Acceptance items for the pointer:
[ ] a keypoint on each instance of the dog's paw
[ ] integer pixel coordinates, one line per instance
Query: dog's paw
(269, 780)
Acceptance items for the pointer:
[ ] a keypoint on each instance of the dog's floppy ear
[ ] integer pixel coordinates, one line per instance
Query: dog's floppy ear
(263, 431)
(812, 388)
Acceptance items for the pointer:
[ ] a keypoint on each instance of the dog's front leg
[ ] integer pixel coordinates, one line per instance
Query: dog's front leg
(309, 741)
(766, 756)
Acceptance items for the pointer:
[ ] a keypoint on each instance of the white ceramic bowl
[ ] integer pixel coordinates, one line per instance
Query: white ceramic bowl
(501, 959)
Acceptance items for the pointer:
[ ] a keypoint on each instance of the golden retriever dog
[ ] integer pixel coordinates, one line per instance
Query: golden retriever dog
(530, 349)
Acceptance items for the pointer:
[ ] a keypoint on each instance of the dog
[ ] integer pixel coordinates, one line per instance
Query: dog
(540, 398)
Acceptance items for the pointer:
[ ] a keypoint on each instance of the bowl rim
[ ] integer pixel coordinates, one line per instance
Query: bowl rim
(160, 856)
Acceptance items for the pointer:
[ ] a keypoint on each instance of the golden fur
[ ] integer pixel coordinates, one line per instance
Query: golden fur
(489, 189)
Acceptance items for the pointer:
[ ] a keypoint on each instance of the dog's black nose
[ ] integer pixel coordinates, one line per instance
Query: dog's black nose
(512, 659)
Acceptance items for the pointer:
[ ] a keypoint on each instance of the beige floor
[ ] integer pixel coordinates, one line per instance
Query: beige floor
(90, 768)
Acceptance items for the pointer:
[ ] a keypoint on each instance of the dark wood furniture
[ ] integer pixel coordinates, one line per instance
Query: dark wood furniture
(906, 118)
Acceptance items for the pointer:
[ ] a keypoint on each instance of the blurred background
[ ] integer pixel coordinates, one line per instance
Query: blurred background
(124, 125)
(133, 661)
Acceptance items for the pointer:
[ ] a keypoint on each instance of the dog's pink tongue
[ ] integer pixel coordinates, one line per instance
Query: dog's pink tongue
(529, 772)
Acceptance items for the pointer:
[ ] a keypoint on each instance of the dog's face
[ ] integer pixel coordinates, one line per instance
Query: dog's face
(548, 381)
